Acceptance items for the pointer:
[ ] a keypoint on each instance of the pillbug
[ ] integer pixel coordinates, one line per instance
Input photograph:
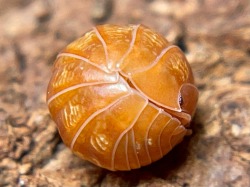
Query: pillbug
(122, 96)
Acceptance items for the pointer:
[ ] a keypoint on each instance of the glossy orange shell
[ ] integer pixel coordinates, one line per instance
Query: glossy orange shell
(121, 96)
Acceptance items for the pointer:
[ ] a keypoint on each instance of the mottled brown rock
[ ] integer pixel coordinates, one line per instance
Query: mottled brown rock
(101, 10)
(215, 37)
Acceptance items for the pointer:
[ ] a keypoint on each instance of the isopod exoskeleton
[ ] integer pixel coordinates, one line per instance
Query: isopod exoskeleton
(122, 96)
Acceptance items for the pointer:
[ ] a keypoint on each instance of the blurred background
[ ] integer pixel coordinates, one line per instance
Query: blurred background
(215, 36)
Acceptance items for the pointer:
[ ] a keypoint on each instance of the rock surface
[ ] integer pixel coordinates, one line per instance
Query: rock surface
(215, 37)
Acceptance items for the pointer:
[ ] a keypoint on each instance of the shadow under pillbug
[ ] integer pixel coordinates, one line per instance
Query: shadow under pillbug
(122, 96)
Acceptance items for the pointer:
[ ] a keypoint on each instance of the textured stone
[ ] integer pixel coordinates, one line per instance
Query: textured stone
(215, 37)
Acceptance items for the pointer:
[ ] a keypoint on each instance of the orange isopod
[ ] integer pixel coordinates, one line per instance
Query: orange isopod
(122, 96)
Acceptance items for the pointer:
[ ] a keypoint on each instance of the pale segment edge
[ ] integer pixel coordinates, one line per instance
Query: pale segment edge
(130, 126)
(92, 117)
(82, 84)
